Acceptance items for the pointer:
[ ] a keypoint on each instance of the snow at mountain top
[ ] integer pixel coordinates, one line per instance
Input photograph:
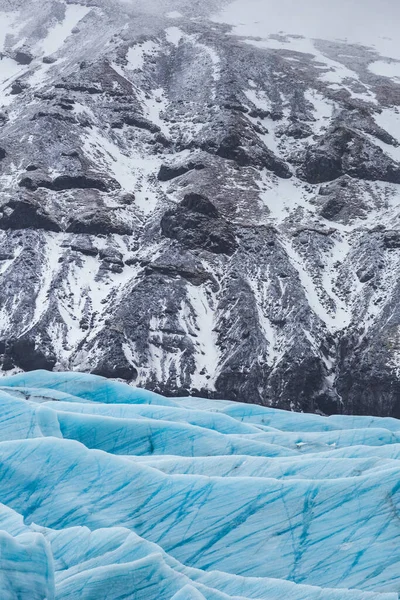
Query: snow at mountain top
(108, 492)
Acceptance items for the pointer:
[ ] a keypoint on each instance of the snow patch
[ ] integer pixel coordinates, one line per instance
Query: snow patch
(7, 20)
(57, 35)
(385, 68)
(174, 15)
(334, 320)
(136, 55)
(198, 315)
(174, 35)
(132, 170)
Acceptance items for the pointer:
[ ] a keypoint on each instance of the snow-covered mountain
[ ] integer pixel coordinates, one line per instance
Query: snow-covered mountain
(199, 202)
(110, 492)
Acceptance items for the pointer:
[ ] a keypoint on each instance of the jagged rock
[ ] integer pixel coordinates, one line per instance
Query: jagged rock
(231, 147)
(80, 87)
(98, 223)
(342, 200)
(200, 204)
(169, 172)
(6, 255)
(195, 223)
(367, 382)
(196, 277)
(259, 113)
(23, 56)
(391, 239)
(19, 214)
(299, 131)
(120, 371)
(365, 275)
(83, 244)
(141, 123)
(27, 355)
(49, 60)
(18, 87)
(68, 182)
(343, 151)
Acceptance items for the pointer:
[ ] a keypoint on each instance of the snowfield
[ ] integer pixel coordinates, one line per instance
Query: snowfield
(109, 492)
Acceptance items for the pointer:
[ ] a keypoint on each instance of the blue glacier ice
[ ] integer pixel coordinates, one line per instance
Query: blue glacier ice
(110, 492)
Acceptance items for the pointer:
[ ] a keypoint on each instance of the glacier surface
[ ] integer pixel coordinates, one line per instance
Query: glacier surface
(111, 492)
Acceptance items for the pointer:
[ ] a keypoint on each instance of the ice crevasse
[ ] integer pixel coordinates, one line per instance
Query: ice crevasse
(110, 492)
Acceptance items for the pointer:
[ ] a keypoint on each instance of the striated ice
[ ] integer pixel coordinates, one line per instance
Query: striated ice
(111, 492)
(26, 570)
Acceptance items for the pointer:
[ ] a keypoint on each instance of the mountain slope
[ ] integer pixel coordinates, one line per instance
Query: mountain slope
(199, 211)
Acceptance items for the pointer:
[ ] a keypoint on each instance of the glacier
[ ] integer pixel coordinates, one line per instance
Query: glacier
(109, 491)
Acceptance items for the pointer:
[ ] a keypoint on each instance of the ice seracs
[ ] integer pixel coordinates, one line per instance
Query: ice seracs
(109, 491)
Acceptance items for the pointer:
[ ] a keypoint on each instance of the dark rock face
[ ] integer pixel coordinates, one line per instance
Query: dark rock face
(200, 204)
(210, 218)
(196, 223)
(244, 148)
(25, 215)
(299, 131)
(25, 354)
(67, 182)
(343, 151)
(97, 223)
(169, 172)
(391, 239)
(17, 88)
(49, 60)
(342, 200)
(23, 57)
(141, 123)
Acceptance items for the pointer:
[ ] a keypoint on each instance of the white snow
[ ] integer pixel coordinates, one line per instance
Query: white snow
(389, 119)
(154, 104)
(323, 110)
(9, 72)
(260, 100)
(336, 254)
(5, 264)
(40, 75)
(386, 69)
(174, 15)
(174, 35)
(132, 170)
(199, 315)
(50, 255)
(7, 20)
(369, 23)
(57, 35)
(108, 154)
(334, 72)
(283, 196)
(9, 69)
(339, 318)
(136, 55)
(293, 43)
(260, 288)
